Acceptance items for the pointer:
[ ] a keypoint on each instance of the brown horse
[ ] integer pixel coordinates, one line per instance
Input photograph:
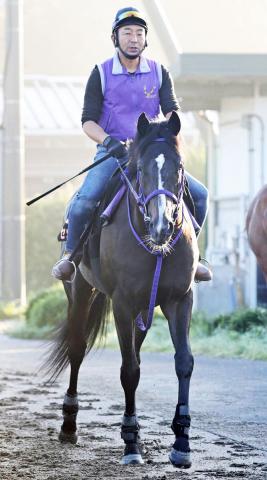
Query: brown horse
(147, 256)
(256, 226)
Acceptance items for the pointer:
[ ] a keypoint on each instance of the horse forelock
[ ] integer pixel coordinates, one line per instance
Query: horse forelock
(138, 146)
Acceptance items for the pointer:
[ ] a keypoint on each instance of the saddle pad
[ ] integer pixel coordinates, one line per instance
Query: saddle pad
(92, 244)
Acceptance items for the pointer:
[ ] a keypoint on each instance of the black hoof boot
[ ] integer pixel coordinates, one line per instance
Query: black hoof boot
(70, 409)
(180, 452)
(130, 434)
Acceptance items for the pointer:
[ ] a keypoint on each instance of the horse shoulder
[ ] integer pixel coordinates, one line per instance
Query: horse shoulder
(256, 226)
(255, 208)
(263, 208)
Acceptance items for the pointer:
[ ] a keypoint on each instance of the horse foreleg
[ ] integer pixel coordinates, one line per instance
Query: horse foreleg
(76, 345)
(130, 375)
(179, 316)
(139, 338)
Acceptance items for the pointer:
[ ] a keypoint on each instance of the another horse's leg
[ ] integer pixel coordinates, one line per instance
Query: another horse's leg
(76, 345)
(179, 316)
(130, 374)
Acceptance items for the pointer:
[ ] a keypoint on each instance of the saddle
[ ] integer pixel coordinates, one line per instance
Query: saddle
(91, 248)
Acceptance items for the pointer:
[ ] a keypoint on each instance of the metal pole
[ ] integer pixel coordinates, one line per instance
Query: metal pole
(12, 188)
(1, 209)
(247, 122)
(262, 143)
(251, 283)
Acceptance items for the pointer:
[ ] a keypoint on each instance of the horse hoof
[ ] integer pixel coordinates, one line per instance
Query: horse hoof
(180, 459)
(71, 437)
(132, 459)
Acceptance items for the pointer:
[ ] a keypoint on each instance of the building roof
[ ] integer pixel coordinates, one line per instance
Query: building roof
(52, 105)
(203, 80)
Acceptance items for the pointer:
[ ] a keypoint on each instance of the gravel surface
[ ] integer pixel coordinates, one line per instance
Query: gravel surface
(228, 409)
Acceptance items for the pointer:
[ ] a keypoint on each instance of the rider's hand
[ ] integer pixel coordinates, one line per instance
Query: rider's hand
(115, 147)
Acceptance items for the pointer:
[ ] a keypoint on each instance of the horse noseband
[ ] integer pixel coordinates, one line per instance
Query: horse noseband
(162, 191)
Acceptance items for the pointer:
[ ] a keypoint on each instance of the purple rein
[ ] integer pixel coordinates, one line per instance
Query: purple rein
(142, 203)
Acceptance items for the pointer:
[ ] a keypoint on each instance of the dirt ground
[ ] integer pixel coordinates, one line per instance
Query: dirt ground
(228, 409)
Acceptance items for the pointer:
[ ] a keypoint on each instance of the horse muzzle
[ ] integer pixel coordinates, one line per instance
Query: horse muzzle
(161, 234)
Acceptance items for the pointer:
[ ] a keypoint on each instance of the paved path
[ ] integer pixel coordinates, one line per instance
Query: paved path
(228, 407)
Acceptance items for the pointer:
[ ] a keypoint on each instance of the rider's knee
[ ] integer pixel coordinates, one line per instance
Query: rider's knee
(202, 200)
(81, 205)
(205, 194)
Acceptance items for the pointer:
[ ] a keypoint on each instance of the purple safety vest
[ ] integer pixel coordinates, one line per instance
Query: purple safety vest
(127, 95)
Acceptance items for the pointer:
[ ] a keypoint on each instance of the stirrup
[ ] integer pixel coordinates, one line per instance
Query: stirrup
(74, 273)
(73, 276)
(204, 260)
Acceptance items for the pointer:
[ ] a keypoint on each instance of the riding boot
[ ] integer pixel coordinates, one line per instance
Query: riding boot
(65, 268)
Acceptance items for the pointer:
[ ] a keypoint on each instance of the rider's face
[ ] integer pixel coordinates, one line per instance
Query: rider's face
(132, 39)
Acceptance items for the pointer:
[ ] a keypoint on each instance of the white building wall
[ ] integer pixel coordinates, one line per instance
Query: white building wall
(233, 148)
(241, 156)
(240, 150)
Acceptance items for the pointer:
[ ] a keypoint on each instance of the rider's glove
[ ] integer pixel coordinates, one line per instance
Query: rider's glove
(115, 147)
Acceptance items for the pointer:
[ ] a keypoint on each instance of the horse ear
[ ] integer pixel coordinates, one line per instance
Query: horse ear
(174, 123)
(142, 124)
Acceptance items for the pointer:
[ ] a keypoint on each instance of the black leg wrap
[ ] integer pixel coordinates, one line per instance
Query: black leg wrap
(180, 427)
(130, 434)
(69, 410)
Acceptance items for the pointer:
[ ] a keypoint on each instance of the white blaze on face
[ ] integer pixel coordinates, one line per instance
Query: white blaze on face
(161, 198)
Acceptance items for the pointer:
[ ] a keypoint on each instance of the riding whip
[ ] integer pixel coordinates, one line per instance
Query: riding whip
(108, 155)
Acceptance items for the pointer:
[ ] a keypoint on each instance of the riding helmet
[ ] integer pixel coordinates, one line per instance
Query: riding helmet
(128, 16)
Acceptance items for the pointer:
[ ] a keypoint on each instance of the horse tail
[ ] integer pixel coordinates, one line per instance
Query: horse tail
(95, 329)
(98, 316)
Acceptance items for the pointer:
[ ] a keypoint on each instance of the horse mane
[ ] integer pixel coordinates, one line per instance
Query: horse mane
(156, 129)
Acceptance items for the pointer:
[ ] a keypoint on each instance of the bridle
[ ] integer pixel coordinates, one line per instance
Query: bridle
(142, 202)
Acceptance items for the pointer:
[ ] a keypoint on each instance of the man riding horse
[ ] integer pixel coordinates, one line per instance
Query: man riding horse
(117, 92)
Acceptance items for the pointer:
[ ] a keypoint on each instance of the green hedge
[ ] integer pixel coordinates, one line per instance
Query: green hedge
(242, 333)
(47, 309)
(43, 223)
(11, 310)
(242, 320)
